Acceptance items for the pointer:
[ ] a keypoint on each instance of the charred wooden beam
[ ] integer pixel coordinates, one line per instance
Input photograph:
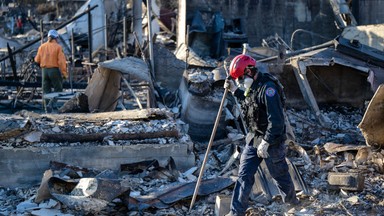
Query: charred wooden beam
(107, 116)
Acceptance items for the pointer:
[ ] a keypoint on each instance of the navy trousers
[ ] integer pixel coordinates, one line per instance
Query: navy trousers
(249, 162)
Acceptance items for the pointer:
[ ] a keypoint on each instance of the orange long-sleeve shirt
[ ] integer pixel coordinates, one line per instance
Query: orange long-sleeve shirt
(50, 55)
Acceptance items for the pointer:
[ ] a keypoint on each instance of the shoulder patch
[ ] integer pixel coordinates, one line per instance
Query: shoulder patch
(270, 92)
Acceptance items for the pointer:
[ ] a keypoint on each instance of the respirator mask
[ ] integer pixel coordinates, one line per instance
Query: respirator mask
(244, 83)
(248, 82)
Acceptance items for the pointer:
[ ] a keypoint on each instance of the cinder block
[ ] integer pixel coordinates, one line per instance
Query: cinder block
(222, 205)
(346, 181)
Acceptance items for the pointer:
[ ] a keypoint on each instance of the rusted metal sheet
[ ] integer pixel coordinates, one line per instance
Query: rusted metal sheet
(372, 124)
(165, 197)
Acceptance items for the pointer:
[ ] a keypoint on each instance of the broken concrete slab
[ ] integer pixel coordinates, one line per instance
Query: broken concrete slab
(346, 181)
(222, 205)
(18, 170)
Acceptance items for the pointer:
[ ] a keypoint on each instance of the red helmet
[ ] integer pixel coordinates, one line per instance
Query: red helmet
(238, 65)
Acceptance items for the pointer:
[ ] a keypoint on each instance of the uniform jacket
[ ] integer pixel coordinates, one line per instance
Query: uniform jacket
(263, 109)
(51, 55)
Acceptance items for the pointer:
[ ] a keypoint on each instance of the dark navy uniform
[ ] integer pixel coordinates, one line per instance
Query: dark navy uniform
(263, 110)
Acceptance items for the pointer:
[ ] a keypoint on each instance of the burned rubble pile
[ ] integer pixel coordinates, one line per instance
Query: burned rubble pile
(140, 145)
(72, 130)
(160, 188)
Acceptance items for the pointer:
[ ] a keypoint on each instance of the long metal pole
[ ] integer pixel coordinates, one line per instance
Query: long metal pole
(149, 17)
(106, 36)
(187, 48)
(73, 60)
(41, 32)
(133, 93)
(90, 34)
(208, 149)
(125, 36)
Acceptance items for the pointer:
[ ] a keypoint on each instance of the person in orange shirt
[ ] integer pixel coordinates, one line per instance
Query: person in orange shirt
(51, 58)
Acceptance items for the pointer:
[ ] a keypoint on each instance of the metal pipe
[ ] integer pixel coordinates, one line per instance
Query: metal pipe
(125, 36)
(187, 48)
(324, 45)
(106, 37)
(305, 31)
(90, 34)
(41, 32)
(208, 149)
(73, 60)
(150, 43)
(133, 93)
(45, 34)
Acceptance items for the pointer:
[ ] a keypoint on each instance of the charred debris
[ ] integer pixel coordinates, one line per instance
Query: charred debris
(128, 134)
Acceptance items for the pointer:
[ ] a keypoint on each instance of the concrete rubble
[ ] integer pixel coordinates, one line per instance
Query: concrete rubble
(132, 134)
(331, 151)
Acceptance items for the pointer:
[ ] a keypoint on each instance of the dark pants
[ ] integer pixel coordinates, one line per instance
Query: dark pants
(52, 79)
(249, 163)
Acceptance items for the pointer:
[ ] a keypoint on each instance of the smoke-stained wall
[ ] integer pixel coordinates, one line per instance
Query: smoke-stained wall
(368, 11)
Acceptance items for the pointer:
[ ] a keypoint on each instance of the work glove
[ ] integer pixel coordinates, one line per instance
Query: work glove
(262, 149)
(230, 85)
(65, 76)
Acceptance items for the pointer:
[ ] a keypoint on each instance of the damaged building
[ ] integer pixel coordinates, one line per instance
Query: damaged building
(145, 127)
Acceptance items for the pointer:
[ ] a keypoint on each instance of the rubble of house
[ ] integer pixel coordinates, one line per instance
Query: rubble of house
(161, 187)
(129, 135)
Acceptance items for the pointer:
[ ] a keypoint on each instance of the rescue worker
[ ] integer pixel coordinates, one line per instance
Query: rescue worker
(51, 58)
(262, 105)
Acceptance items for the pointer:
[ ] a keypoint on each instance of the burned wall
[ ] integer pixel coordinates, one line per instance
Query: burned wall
(368, 11)
(262, 18)
(338, 85)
